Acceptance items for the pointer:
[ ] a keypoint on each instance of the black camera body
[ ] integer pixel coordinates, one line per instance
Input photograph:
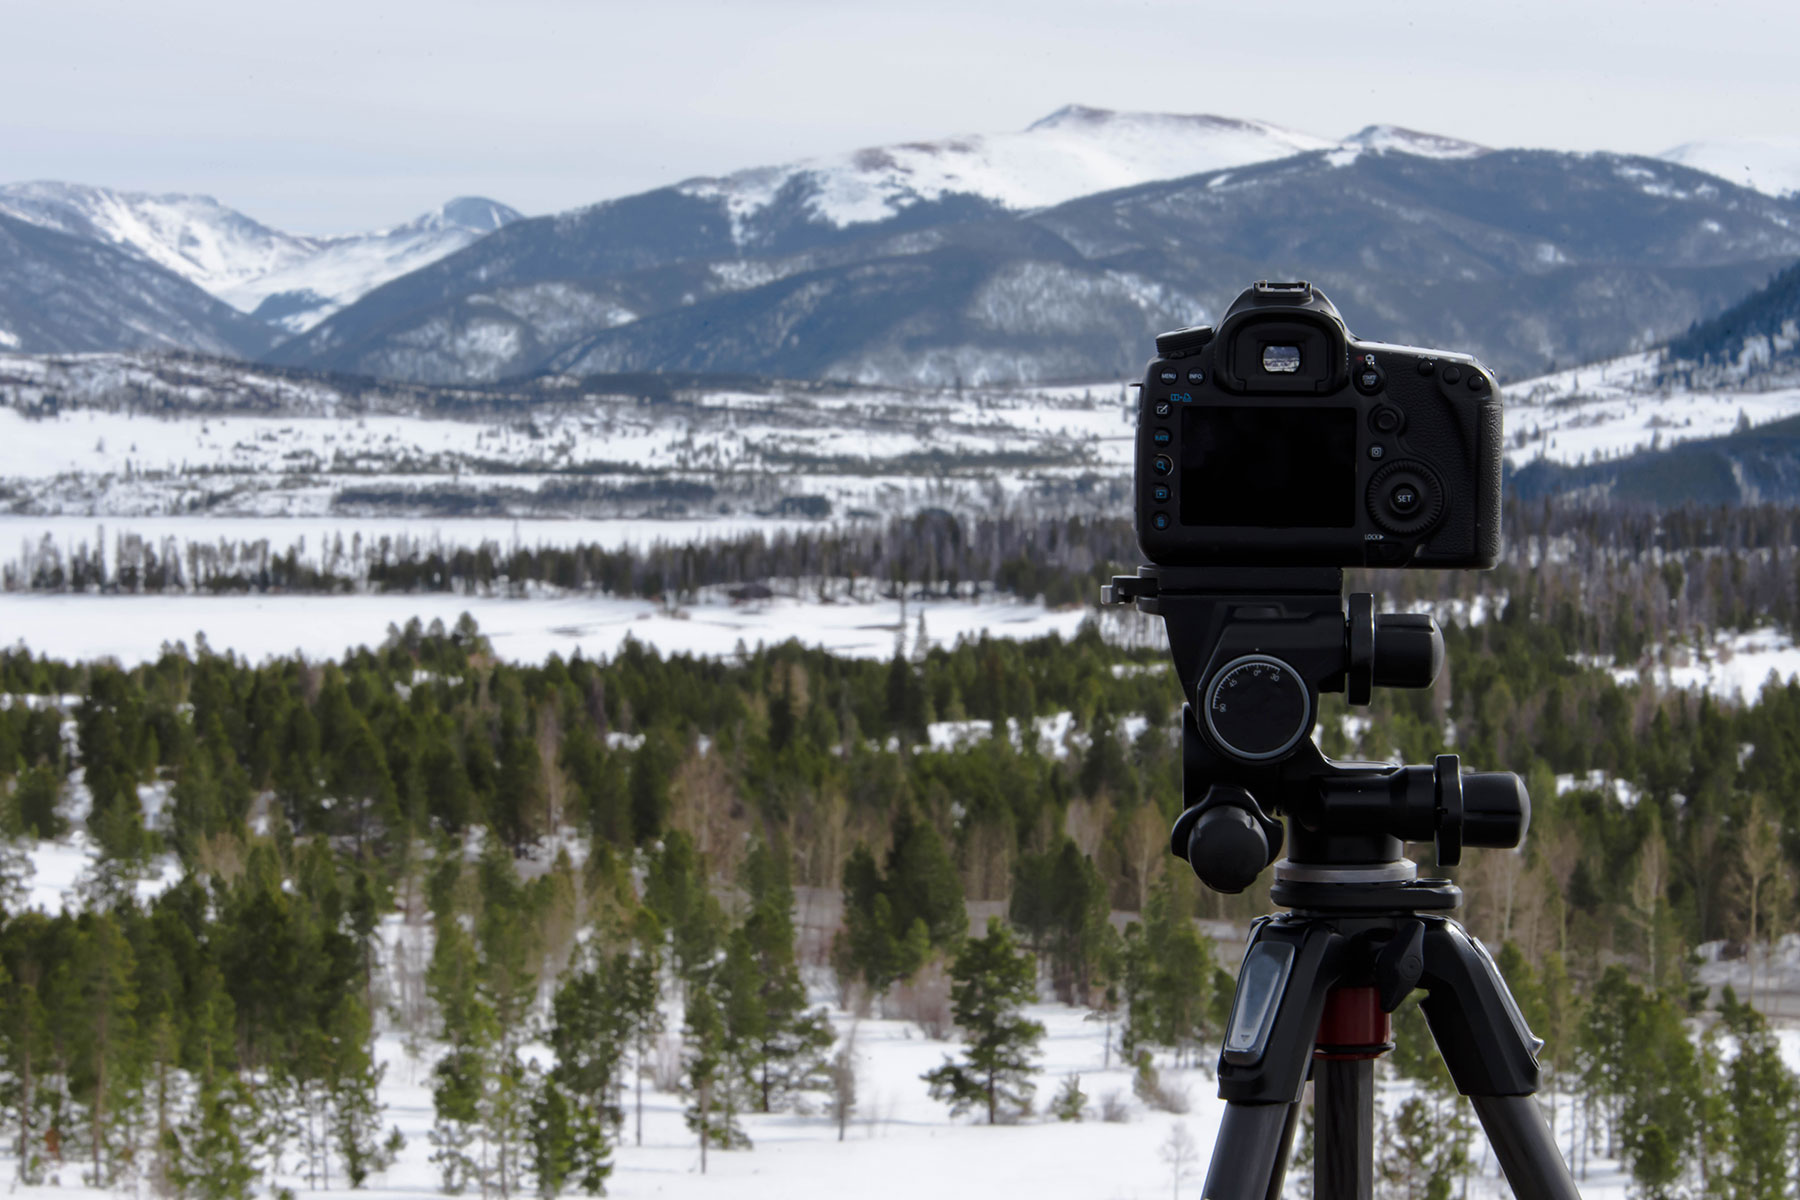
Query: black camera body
(1280, 439)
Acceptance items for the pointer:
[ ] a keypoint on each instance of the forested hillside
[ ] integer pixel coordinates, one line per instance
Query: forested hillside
(584, 837)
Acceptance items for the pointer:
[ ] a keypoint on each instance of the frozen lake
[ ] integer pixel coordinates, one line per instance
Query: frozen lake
(133, 629)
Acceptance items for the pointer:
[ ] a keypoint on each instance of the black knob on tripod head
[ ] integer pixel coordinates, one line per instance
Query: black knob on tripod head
(1227, 839)
(1496, 809)
(1390, 650)
(1409, 650)
(1485, 808)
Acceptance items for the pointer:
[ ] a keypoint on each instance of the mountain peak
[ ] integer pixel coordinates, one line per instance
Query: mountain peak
(472, 214)
(1398, 139)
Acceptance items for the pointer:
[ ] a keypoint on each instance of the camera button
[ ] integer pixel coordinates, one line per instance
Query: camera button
(1196, 376)
(1162, 465)
(1170, 375)
(1162, 437)
(1451, 374)
(1160, 493)
(1159, 521)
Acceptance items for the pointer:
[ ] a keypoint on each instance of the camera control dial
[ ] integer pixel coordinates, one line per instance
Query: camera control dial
(1256, 707)
(1406, 498)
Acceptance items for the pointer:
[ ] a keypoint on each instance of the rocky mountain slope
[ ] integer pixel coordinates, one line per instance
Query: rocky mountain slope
(1528, 258)
(63, 292)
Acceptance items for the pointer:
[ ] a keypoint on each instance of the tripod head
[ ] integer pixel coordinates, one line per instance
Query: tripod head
(1254, 649)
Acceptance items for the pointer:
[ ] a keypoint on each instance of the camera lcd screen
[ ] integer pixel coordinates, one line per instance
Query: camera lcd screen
(1268, 467)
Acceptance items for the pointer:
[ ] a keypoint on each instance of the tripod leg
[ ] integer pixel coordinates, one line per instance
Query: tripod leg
(1525, 1147)
(1249, 1160)
(1268, 1047)
(1492, 1056)
(1344, 1108)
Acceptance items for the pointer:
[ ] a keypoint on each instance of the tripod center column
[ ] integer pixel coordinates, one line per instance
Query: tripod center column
(1353, 1032)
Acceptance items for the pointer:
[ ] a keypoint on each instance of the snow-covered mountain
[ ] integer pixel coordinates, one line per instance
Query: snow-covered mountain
(1768, 165)
(1075, 151)
(293, 281)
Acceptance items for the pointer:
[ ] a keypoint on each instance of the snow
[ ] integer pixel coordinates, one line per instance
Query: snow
(244, 262)
(1075, 151)
(133, 629)
(875, 449)
(1731, 666)
(60, 867)
(1617, 407)
(1623, 790)
(1768, 164)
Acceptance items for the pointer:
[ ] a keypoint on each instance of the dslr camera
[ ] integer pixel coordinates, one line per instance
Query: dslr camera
(1279, 439)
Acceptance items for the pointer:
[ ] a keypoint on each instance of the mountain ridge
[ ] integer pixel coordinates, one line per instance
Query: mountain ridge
(242, 261)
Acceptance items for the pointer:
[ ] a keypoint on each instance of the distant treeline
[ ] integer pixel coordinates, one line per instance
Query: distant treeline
(1622, 580)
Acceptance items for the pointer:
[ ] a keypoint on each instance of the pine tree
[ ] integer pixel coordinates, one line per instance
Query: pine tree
(790, 1042)
(992, 981)
(574, 1104)
(1424, 1153)
(210, 1159)
(1070, 1100)
(1763, 1102)
(707, 1073)
(102, 1031)
(676, 891)
(640, 1005)
(353, 1083)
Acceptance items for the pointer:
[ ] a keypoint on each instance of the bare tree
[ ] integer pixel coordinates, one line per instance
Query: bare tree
(1181, 1152)
(1758, 880)
(843, 1081)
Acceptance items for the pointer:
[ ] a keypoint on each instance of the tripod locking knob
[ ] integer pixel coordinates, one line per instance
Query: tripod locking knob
(1227, 839)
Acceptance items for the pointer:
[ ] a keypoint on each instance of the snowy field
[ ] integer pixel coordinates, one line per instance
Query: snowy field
(93, 435)
(1610, 409)
(133, 629)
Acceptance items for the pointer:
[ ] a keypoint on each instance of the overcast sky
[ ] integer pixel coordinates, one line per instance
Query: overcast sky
(330, 115)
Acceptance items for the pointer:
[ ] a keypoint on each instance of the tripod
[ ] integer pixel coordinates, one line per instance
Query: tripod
(1254, 648)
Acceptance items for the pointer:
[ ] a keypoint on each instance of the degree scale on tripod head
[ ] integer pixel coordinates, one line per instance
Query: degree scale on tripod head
(1254, 648)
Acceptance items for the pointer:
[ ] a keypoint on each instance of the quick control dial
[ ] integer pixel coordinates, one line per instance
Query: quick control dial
(1406, 498)
(1256, 707)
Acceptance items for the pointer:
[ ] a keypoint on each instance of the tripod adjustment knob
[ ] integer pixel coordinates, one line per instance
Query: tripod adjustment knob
(1227, 839)
(1256, 707)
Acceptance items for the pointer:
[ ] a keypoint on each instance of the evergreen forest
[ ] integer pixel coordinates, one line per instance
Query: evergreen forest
(572, 877)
